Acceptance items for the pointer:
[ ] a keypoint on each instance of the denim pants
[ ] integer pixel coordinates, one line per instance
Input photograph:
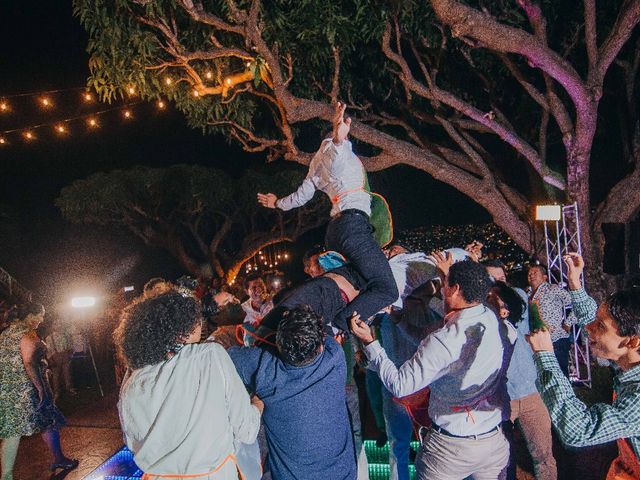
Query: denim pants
(350, 234)
(561, 349)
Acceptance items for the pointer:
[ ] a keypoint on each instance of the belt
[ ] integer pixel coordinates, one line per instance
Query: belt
(351, 211)
(474, 437)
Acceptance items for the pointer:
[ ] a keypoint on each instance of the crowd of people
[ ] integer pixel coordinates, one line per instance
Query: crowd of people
(218, 389)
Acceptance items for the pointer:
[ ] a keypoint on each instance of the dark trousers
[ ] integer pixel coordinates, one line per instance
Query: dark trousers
(561, 349)
(350, 233)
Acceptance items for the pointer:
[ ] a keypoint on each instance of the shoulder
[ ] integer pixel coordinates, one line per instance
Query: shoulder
(29, 342)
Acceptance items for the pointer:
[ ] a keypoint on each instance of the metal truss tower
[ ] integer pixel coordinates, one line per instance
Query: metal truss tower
(561, 237)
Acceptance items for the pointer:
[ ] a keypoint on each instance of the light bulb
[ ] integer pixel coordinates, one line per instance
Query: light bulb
(127, 114)
(92, 122)
(3, 141)
(29, 136)
(131, 90)
(228, 81)
(46, 102)
(209, 75)
(88, 97)
(161, 104)
(61, 129)
(4, 106)
(168, 80)
(196, 93)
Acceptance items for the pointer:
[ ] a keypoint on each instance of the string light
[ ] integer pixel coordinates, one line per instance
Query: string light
(61, 129)
(88, 97)
(161, 104)
(228, 81)
(196, 93)
(45, 102)
(4, 106)
(3, 141)
(131, 90)
(92, 122)
(127, 114)
(248, 64)
(168, 81)
(29, 136)
(209, 75)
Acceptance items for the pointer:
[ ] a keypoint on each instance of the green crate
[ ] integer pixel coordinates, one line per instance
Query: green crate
(376, 454)
(379, 471)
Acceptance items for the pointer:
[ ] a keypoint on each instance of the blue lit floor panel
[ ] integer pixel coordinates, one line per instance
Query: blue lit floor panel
(122, 467)
(119, 467)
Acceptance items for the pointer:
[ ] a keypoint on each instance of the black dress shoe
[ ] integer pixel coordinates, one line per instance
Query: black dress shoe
(68, 464)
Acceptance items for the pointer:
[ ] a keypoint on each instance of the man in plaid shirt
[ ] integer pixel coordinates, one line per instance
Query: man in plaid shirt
(614, 334)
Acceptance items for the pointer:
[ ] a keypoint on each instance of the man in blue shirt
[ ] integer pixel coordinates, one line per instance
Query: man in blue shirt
(301, 383)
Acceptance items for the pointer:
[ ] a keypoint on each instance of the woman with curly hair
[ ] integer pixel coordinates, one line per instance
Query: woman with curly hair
(26, 400)
(183, 404)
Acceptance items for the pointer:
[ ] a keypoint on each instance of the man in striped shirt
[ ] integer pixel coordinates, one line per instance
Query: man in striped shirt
(614, 333)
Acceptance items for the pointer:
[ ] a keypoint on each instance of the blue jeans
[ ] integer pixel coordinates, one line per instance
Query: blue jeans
(561, 349)
(350, 233)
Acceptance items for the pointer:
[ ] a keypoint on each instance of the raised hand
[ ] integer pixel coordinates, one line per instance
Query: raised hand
(540, 341)
(443, 261)
(267, 200)
(474, 249)
(360, 329)
(341, 126)
(575, 267)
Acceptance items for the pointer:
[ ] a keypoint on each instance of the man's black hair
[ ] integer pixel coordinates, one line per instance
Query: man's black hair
(300, 335)
(624, 307)
(315, 250)
(539, 266)
(151, 328)
(250, 278)
(473, 279)
(494, 263)
(514, 302)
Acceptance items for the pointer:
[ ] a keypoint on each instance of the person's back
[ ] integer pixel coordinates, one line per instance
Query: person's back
(174, 414)
(183, 404)
(305, 417)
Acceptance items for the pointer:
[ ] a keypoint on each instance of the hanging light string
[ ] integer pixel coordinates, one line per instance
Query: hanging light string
(46, 92)
(86, 116)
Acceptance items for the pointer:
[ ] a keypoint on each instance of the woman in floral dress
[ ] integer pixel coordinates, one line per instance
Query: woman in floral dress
(26, 405)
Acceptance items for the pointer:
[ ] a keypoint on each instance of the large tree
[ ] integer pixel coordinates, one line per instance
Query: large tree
(502, 100)
(202, 216)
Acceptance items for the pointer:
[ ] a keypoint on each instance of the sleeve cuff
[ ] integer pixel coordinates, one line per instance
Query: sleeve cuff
(373, 349)
(579, 295)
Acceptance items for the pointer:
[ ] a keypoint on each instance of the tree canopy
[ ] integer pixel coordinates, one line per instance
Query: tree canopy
(501, 100)
(203, 216)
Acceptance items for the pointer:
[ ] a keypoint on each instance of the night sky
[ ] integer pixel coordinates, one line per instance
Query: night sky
(42, 48)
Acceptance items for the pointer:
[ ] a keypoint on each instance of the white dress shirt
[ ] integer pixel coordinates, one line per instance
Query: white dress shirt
(464, 363)
(182, 416)
(339, 173)
(410, 270)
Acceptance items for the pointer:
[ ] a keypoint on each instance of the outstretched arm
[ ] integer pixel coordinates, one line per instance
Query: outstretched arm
(577, 424)
(326, 154)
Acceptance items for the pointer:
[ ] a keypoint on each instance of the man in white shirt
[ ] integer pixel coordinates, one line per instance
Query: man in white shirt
(338, 172)
(255, 307)
(465, 364)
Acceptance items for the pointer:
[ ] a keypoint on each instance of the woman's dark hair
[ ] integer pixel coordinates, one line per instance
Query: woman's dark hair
(300, 335)
(624, 307)
(151, 328)
(20, 312)
(514, 302)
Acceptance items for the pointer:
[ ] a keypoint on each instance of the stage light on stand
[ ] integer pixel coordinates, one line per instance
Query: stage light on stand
(548, 213)
(83, 304)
